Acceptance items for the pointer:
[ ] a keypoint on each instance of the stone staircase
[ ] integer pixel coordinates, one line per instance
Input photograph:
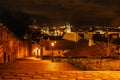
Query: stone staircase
(27, 69)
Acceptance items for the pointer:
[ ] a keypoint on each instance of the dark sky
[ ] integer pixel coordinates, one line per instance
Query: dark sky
(77, 12)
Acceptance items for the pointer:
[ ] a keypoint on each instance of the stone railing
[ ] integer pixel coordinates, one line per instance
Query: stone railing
(93, 63)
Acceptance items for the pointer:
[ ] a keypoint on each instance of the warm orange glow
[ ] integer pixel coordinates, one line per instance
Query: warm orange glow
(37, 51)
(52, 44)
(54, 41)
(36, 48)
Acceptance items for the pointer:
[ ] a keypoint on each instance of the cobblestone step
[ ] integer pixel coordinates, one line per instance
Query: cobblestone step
(46, 70)
(64, 75)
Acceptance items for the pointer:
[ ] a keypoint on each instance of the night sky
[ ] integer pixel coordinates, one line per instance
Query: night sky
(20, 13)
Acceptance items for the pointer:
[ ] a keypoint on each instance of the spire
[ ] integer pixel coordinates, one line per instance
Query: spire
(68, 27)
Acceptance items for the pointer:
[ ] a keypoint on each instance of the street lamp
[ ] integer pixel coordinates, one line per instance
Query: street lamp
(52, 44)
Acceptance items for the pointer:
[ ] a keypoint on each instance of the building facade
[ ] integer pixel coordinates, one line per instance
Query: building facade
(11, 47)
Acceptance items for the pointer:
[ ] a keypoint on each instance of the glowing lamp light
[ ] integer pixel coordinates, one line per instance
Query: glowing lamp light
(52, 44)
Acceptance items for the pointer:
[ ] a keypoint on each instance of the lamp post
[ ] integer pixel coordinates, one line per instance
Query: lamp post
(52, 44)
(108, 43)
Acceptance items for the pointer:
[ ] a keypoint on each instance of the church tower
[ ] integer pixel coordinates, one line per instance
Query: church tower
(67, 27)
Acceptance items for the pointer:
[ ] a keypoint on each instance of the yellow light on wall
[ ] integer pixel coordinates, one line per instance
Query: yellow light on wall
(37, 51)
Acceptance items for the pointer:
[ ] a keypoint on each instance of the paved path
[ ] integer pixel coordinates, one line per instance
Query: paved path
(46, 70)
(42, 65)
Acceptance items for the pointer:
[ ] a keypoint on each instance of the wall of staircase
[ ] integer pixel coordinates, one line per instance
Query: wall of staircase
(11, 47)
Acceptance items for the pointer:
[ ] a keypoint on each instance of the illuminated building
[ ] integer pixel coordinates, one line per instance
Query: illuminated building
(11, 47)
(67, 28)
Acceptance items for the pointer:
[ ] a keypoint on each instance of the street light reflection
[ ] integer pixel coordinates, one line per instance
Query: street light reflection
(53, 67)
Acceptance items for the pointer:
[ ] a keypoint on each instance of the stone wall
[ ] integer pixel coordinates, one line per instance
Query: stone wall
(96, 64)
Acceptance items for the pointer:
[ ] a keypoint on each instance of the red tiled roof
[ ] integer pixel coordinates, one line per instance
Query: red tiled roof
(82, 49)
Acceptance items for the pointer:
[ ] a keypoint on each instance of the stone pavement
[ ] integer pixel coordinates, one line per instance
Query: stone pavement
(27, 69)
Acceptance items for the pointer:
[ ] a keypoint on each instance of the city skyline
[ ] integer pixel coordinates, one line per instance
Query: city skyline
(18, 15)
